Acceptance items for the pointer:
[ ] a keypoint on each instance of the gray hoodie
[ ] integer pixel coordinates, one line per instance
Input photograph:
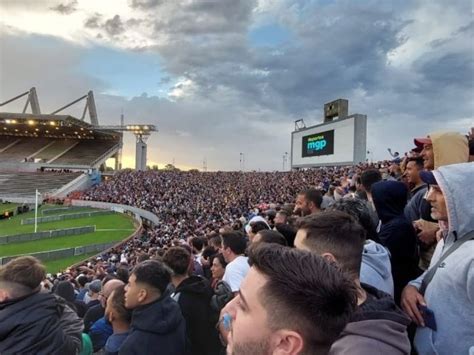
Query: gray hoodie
(376, 270)
(451, 292)
(377, 327)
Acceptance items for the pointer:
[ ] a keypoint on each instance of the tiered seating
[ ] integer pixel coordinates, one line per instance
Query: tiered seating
(23, 149)
(5, 141)
(86, 152)
(24, 184)
(55, 149)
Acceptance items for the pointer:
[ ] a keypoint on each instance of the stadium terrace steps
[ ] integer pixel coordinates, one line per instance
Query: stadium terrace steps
(85, 153)
(23, 149)
(56, 149)
(7, 142)
(24, 184)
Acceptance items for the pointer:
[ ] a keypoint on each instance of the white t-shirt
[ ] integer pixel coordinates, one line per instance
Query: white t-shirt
(236, 271)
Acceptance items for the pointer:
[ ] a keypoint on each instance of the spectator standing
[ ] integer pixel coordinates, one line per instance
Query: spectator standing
(445, 291)
(234, 245)
(157, 324)
(193, 294)
(32, 322)
(120, 317)
(306, 318)
(378, 323)
(396, 232)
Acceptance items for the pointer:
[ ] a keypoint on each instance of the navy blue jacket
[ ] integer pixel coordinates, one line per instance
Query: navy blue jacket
(396, 232)
(156, 328)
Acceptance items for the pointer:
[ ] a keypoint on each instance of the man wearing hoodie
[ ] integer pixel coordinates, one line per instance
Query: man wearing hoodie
(193, 294)
(396, 232)
(378, 325)
(375, 269)
(33, 322)
(157, 324)
(447, 287)
(438, 149)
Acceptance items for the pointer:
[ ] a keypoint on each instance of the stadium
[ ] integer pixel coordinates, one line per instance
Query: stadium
(92, 229)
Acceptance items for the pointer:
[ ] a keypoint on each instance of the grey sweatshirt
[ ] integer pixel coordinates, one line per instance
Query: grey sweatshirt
(451, 292)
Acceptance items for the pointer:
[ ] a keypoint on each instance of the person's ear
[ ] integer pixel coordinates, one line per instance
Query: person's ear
(329, 257)
(286, 342)
(142, 294)
(111, 316)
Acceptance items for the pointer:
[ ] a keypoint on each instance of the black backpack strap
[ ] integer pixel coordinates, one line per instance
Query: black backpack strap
(432, 271)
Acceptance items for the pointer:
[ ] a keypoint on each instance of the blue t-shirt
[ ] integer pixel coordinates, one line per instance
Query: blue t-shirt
(114, 343)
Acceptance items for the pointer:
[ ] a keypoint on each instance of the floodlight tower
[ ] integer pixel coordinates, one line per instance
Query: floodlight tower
(141, 149)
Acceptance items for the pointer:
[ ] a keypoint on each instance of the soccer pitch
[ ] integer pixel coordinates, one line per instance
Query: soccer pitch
(109, 228)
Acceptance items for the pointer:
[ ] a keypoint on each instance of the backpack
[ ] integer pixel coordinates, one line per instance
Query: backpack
(222, 295)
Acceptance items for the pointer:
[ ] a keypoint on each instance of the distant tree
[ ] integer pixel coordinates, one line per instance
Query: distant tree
(171, 167)
(194, 170)
(154, 167)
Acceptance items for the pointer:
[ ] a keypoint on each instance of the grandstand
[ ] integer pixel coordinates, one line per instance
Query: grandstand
(48, 152)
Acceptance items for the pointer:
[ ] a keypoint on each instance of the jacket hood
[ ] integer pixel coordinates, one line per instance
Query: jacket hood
(196, 285)
(377, 258)
(390, 198)
(378, 326)
(160, 317)
(449, 148)
(456, 183)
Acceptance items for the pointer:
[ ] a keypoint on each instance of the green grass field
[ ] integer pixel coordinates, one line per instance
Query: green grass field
(8, 207)
(109, 228)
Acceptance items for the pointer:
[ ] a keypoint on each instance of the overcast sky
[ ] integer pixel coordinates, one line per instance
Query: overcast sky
(221, 77)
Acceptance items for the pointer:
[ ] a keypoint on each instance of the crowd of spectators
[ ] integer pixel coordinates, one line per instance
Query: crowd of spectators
(372, 258)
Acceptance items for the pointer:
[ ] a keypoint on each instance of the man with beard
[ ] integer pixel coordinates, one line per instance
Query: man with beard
(305, 319)
(308, 202)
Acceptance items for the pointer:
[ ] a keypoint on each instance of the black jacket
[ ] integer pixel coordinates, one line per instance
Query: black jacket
(156, 328)
(36, 324)
(396, 232)
(194, 298)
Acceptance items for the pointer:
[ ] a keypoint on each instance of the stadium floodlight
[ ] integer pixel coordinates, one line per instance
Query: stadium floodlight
(31, 122)
(52, 123)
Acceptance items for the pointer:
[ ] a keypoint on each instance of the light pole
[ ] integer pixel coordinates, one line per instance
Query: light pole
(285, 159)
(36, 210)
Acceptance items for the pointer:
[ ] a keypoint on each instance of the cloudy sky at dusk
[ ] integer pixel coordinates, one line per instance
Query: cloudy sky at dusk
(221, 77)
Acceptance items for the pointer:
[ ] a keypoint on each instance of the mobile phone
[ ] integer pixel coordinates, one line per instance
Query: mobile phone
(428, 316)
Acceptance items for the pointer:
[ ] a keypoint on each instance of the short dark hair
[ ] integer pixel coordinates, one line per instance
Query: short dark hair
(235, 241)
(338, 233)
(152, 273)
(178, 260)
(318, 299)
(23, 275)
(219, 257)
(359, 210)
(197, 243)
(418, 162)
(258, 226)
(117, 298)
(272, 236)
(313, 195)
(215, 241)
(370, 177)
(288, 231)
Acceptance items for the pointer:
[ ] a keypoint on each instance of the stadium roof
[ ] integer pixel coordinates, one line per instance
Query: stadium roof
(53, 126)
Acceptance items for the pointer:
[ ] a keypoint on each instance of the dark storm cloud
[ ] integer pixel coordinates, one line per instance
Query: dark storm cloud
(93, 21)
(66, 8)
(145, 4)
(114, 26)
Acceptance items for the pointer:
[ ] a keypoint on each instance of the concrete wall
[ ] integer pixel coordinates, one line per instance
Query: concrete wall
(118, 208)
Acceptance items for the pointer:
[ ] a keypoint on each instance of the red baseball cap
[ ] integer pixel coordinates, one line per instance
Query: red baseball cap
(420, 142)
